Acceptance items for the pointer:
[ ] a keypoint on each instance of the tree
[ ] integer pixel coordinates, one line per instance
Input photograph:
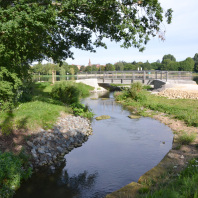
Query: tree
(119, 66)
(196, 62)
(169, 57)
(38, 68)
(33, 30)
(129, 66)
(82, 68)
(62, 71)
(196, 58)
(110, 67)
(88, 69)
(146, 66)
(187, 65)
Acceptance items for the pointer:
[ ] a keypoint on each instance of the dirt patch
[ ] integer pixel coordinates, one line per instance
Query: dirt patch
(13, 142)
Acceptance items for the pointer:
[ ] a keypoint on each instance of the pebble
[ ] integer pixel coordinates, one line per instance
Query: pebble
(48, 147)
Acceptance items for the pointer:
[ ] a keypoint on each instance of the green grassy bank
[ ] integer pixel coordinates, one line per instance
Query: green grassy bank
(40, 110)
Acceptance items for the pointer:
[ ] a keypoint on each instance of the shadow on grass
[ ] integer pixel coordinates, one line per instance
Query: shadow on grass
(12, 133)
(41, 92)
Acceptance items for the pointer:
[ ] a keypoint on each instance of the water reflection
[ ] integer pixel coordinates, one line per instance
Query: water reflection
(60, 184)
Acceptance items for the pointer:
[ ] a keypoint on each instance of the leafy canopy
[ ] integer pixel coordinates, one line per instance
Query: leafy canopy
(33, 30)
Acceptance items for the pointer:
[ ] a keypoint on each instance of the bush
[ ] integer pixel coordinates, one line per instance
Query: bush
(66, 91)
(186, 139)
(135, 89)
(82, 110)
(13, 170)
(9, 89)
(69, 92)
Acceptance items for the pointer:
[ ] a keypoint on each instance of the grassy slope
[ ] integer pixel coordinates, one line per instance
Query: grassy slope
(41, 111)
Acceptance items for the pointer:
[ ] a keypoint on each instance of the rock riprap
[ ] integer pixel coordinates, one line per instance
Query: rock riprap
(48, 147)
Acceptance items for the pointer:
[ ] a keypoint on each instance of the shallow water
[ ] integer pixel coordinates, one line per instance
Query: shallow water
(119, 152)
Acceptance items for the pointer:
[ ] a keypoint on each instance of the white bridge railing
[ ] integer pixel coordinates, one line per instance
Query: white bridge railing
(144, 76)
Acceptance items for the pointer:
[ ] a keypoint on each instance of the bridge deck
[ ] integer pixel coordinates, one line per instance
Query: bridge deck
(128, 77)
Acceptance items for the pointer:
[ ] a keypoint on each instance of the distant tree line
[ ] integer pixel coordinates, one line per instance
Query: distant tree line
(168, 63)
(46, 69)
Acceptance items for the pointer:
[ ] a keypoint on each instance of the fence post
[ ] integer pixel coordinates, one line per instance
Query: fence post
(144, 77)
(161, 75)
(133, 77)
(166, 76)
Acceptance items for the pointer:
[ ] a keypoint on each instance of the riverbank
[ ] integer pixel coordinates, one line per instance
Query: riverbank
(41, 130)
(183, 150)
(48, 147)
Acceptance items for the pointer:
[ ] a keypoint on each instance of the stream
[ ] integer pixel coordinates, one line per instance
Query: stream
(119, 152)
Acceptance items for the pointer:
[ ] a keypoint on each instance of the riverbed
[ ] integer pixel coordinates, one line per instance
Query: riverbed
(119, 152)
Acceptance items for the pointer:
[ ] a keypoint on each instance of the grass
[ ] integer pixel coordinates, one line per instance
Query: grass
(184, 185)
(40, 111)
(182, 109)
(186, 139)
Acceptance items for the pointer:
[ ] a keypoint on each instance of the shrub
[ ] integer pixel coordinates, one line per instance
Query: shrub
(9, 89)
(186, 138)
(135, 89)
(66, 91)
(69, 92)
(82, 110)
(13, 170)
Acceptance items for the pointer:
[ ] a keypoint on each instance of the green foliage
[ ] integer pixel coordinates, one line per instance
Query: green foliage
(182, 186)
(40, 111)
(110, 67)
(187, 65)
(168, 57)
(119, 66)
(14, 168)
(135, 92)
(66, 92)
(10, 86)
(33, 30)
(186, 139)
(195, 58)
(183, 109)
(82, 110)
(69, 92)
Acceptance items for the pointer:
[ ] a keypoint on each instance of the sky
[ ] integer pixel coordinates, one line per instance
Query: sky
(181, 40)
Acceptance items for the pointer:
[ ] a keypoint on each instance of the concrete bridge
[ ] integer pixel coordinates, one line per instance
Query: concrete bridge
(159, 79)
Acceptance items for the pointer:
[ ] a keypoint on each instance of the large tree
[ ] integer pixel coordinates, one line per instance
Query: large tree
(33, 30)
(187, 65)
(196, 62)
(168, 57)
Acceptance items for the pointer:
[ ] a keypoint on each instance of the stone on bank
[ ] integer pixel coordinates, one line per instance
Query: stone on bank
(48, 147)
